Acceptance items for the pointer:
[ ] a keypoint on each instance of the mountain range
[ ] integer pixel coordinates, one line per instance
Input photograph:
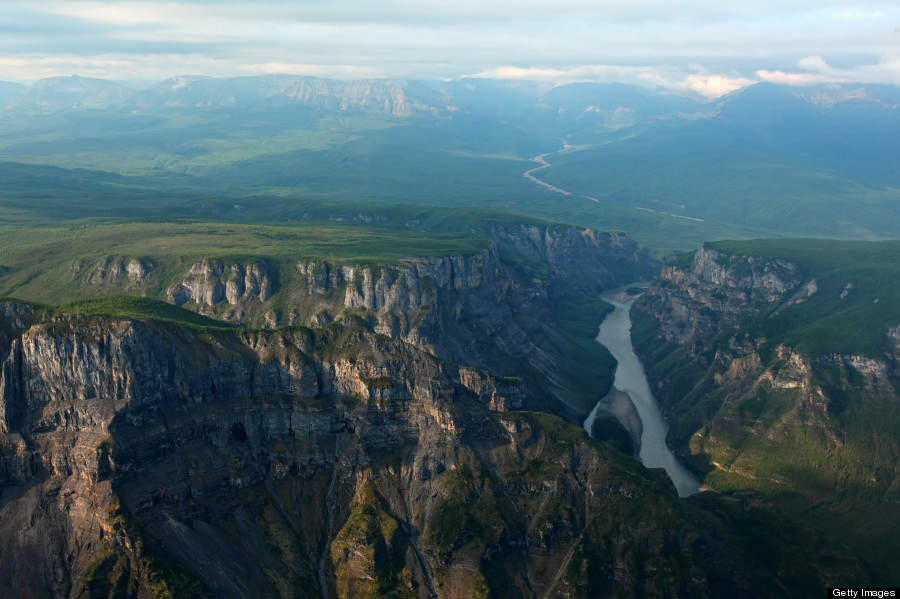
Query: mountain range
(670, 170)
(287, 336)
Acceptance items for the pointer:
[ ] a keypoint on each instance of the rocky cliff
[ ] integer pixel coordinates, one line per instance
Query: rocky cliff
(710, 314)
(494, 309)
(718, 290)
(116, 271)
(213, 281)
(148, 459)
(369, 96)
(747, 356)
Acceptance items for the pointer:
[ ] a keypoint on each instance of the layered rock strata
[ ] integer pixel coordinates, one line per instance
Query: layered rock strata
(492, 309)
(143, 459)
(759, 409)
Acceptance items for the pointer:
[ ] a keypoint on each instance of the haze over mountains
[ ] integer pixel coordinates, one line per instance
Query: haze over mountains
(292, 325)
(673, 171)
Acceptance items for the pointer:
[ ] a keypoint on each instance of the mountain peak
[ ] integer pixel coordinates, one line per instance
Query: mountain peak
(61, 93)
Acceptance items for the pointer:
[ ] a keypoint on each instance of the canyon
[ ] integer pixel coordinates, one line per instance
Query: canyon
(146, 459)
(779, 378)
(322, 428)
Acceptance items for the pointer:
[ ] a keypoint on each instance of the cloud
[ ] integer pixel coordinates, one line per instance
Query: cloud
(531, 73)
(713, 86)
(699, 46)
(815, 70)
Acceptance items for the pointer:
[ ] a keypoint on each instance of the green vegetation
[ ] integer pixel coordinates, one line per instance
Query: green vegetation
(130, 570)
(373, 543)
(813, 437)
(858, 295)
(140, 308)
(379, 382)
(735, 181)
(578, 316)
(607, 428)
(55, 263)
(673, 172)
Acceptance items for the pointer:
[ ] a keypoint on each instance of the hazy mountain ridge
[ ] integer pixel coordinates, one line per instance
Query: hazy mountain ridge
(476, 95)
(10, 91)
(764, 160)
(72, 93)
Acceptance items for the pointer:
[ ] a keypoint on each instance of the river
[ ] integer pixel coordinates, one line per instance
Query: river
(615, 335)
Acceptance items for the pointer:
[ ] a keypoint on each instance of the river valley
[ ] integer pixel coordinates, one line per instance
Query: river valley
(630, 378)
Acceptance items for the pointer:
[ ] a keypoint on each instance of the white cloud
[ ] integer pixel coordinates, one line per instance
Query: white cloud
(531, 73)
(814, 63)
(713, 86)
(645, 41)
(784, 78)
(815, 70)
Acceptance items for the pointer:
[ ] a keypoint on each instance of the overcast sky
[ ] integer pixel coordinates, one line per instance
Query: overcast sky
(708, 47)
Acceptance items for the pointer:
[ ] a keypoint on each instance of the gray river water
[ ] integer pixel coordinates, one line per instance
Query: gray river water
(615, 335)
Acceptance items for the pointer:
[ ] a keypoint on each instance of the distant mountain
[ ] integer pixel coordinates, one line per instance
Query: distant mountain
(762, 100)
(787, 102)
(394, 97)
(851, 128)
(10, 91)
(563, 109)
(611, 102)
(837, 96)
(503, 99)
(63, 93)
(767, 159)
(566, 109)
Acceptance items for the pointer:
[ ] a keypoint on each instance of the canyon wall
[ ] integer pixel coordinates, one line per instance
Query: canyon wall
(146, 459)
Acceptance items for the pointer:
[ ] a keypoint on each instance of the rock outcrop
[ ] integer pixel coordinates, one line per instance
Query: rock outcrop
(716, 292)
(491, 309)
(333, 462)
(124, 273)
(213, 281)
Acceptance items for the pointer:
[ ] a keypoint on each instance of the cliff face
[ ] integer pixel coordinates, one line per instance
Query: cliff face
(211, 282)
(754, 407)
(707, 313)
(522, 264)
(329, 462)
(127, 274)
(492, 309)
(718, 290)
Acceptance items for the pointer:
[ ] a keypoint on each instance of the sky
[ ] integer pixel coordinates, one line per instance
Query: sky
(695, 46)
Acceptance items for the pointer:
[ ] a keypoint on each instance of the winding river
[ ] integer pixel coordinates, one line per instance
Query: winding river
(615, 335)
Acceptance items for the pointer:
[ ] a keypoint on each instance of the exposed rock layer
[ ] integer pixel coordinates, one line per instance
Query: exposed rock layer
(761, 413)
(331, 462)
(492, 309)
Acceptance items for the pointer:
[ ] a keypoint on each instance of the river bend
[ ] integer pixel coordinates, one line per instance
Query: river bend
(630, 378)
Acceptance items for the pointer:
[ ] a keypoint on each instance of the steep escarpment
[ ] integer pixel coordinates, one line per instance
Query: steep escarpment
(521, 263)
(517, 297)
(778, 370)
(124, 274)
(149, 459)
(211, 282)
(499, 308)
(718, 290)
